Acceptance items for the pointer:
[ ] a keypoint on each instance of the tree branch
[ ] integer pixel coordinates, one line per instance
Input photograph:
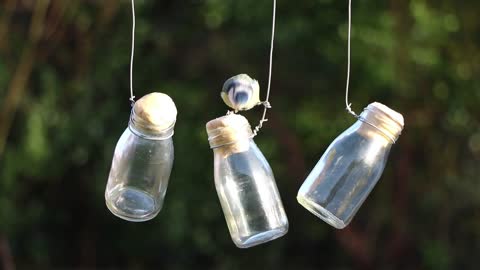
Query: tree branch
(5, 23)
(6, 258)
(22, 73)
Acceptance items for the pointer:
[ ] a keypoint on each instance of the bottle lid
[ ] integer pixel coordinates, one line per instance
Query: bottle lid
(228, 130)
(387, 121)
(154, 115)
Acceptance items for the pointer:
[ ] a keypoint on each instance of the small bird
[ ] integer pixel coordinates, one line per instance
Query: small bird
(241, 92)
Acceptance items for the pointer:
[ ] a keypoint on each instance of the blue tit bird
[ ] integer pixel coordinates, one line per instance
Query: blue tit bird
(241, 92)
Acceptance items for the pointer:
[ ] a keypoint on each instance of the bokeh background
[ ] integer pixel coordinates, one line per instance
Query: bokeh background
(64, 69)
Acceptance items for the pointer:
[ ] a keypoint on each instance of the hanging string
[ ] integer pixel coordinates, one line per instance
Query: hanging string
(132, 97)
(349, 108)
(266, 103)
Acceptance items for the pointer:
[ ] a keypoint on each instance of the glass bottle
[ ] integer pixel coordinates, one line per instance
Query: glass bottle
(143, 160)
(245, 184)
(351, 166)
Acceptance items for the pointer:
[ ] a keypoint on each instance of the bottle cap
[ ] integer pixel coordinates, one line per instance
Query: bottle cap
(154, 115)
(387, 121)
(228, 130)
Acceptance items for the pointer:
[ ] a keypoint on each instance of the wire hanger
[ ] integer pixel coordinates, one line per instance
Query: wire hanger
(132, 97)
(266, 104)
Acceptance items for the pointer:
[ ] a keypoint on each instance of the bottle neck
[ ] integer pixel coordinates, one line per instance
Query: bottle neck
(239, 146)
(230, 140)
(377, 122)
(226, 137)
(149, 131)
(228, 130)
(229, 134)
(372, 133)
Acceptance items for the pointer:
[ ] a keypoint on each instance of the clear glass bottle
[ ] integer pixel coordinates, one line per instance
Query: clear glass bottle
(349, 169)
(143, 160)
(245, 184)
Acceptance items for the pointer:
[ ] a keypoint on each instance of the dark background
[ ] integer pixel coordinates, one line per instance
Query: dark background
(64, 93)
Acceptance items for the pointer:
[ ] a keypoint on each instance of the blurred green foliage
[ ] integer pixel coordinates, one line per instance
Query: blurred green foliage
(420, 57)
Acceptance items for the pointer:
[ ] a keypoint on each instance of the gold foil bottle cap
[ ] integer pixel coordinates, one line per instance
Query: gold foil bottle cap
(154, 114)
(230, 130)
(387, 121)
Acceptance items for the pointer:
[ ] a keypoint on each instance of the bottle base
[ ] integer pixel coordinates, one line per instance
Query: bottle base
(261, 238)
(321, 212)
(131, 204)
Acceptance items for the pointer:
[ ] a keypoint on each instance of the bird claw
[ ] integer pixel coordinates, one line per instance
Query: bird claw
(265, 104)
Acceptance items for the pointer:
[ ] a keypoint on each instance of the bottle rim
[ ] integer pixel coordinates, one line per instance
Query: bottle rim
(385, 120)
(390, 137)
(214, 146)
(148, 131)
(228, 130)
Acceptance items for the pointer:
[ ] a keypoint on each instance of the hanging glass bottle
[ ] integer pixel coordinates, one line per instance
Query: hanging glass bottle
(143, 160)
(351, 166)
(245, 184)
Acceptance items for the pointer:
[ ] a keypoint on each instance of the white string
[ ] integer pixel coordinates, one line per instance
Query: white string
(349, 108)
(266, 103)
(132, 97)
